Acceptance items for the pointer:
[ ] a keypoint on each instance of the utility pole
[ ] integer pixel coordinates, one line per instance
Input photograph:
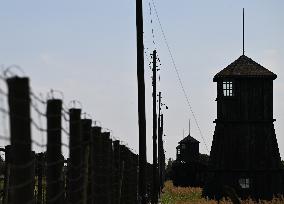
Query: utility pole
(243, 31)
(189, 127)
(155, 181)
(159, 139)
(160, 149)
(141, 102)
(162, 153)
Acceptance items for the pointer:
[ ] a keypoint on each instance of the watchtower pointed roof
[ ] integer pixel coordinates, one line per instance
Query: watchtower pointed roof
(244, 67)
(189, 139)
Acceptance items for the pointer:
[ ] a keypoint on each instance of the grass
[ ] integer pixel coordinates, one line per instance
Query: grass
(190, 195)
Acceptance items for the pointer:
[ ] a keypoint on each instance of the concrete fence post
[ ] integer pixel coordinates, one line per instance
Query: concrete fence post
(74, 175)
(54, 158)
(86, 136)
(116, 172)
(6, 174)
(39, 167)
(97, 161)
(21, 177)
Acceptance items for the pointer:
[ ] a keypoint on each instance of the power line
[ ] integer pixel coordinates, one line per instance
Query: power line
(178, 76)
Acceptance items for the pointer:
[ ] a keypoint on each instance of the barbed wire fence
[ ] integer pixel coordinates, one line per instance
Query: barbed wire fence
(54, 153)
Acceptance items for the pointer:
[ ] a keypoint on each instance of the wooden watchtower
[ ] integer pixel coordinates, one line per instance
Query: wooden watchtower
(244, 154)
(188, 150)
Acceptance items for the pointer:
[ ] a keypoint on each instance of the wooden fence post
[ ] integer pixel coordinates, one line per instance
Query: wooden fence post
(86, 133)
(21, 177)
(54, 158)
(74, 177)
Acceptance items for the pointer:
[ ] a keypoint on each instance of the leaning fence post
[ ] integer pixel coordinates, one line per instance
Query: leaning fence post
(7, 175)
(86, 133)
(54, 160)
(21, 178)
(74, 177)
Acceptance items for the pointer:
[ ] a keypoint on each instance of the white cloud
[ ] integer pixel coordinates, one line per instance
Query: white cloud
(46, 58)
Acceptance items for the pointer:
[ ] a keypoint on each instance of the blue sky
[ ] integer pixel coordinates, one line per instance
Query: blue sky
(87, 49)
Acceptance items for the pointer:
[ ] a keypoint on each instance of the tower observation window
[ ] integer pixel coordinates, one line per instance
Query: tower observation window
(228, 88)
(178, 151)
(244, 183)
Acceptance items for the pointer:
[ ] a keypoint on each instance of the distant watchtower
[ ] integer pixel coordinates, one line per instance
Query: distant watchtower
(244, 153)
(188, 150)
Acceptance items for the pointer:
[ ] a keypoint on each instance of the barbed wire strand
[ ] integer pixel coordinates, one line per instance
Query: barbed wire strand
(178, 76)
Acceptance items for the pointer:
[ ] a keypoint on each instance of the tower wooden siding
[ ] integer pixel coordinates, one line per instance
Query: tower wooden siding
(252, 100)
(191, 152)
